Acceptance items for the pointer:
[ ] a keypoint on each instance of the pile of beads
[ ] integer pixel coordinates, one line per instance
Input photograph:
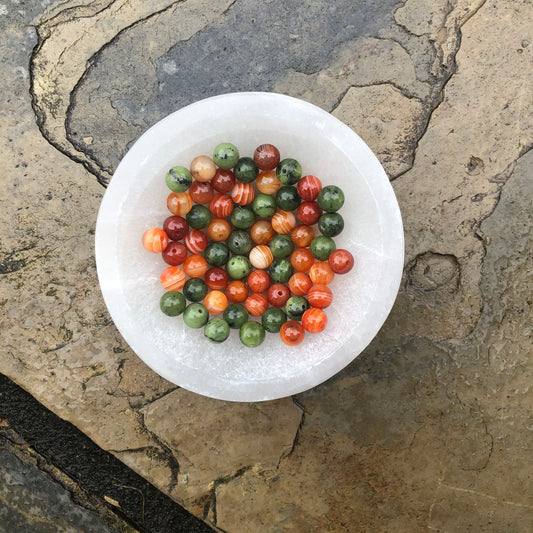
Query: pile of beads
(249, 237)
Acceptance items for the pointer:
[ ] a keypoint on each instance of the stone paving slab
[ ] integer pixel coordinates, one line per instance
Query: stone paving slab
(430, 427)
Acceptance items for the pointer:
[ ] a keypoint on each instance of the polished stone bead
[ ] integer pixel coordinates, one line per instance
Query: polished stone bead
(341, 261)
(292, 333)
(281, 246)
(201, 193)
(300, 283)
(155, 240)
(266, 157)
(321, 247)
(216, 254)
(221, 205)
(218, 229)
(198, 217)
(273, 318)
(321, 273)
(195, 289)
(237, 291)
(262, 232)
(264, 205)
(331, 224)
(314, 320)
(175, 253)
(302, 235)
(267, 182)
(330, 198)
(296, 307)
(246, 170)
(196, 241)
(179, 203)
(235, 315)
(242, 193)
(226, 155)
(287, 198)
(309, 213)
(240, 242)
(196, 315)
(242, 217)
(172, 303)
(238, 267)
(215, 302)
(252, 334)
(195, 266)
(309, 187)
(172, 278)
(281, 270)
(258, 281)
(176, 228)
(320, 296)
(256, 304)
(283, 222)
(216, 330)
(260, 256)
(203, 168)
(178, 179)
(302, 259)
(223, 181)
(289, 171)
(278, 294)
(216, 278)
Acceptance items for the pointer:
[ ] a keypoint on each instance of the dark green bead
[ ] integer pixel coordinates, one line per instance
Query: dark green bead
(281, 270)
(321, 247)
(281, 246)
(216, 330)
(287, 198)
(331, 224)
(242, 217)
(178, 179)
(198, 217)
(252, 334)
(195, 289)
(246, 170)
(235, 315)
(264, 205)
(196, 315)
(238, 267)
(273, 318)
(289, 171)
(330, 198)
(295, 307)
(226, 155)
(240, 242)
(216, 254)
(172, 303)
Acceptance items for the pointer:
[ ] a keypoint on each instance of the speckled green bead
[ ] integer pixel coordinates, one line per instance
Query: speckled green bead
(281, 270)
(331, 224)
(240, 242)
(198, 217)
(295, 307)
(238, 267)
(172, 303)
(264, 205)
(252, 334)
(216, 254)
(195, 289)
(321, 247)
(287, 198)
(196, 315)
(178, 179)
(246, 170)
(330, 198)
(273, 318)
(281, 246)
(289, 171)
(216, 330)
(226, 155)
(235, 315)
(242, 217)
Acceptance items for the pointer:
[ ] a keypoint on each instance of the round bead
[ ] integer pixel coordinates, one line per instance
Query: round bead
(278, 294)
(262, 232)
(236, 291)
(266, 156)
(296, 307)
(330, 198)
(302, 235)
(281, 246)
(176, 228)
(235, 315)
(179, 203)
(243, 193)
(198, 217)
(221, 205)
(292, 333)
(309, 187)
(223, 181)
(196, 315)
(195, 289)
(195, 266)
(273, 318)
(245, 170)
(314, 320)
(178, 179)
(155, 240)
(216, 330)
(331, 224)
(320, 296)
(264, 206)
(217, 254)
(252, 334)
(240, 242)
(226, 155)
(289, 171)
(287, 198)
(281, 270)
(260, 256)
(216, 278)
(238, 267)
(218, 229)
(175, 253)
(215, 302)
(203, 168)
(300, 283)
(242, 217)
(321, 273)
(256, 304)
(201, 192)
(196, 241)
(302, 259)
(267, 182)
(172, 303)
(173, 278)
(322, 247)
(283, 222)
(309, 213)
(341, 261)
(258, 281)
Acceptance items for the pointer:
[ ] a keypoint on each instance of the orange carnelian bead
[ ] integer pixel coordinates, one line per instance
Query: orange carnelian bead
(256, 304)
(237, 291)
(258, 281)
(292, 333)
(260, 256)
(218, 229)
(155, 240)
(221, 205)
(308, 188)
(314, 320)
(243, 193)
(267, 182)
(179, 203)
(262, 232)
(195, 266)
(302, 259)
(283, 221)
(203, 168)
(173, 278)
(200, 192)
(278, 294)
(302, 235)
(321, 273)
(216, 302)
(300, 283)
(319, 296)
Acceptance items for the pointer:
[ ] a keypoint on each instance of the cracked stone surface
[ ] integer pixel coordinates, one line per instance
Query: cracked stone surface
(429, 428)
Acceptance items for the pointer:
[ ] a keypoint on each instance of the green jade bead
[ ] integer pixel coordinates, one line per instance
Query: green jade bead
(246, 170)
(287, 198)
(178, 179)
(216, 330)
(322, 247)
(198, 217)
(281, 246)
(216, 254)
(281, 270)
(235, 315)
(172, 303)
(289, 171)
(330, 198)
(238, 267)
(273, 318)
(252, 334)
(196, 315)
(295, 307)
(242, 218)
(240, 242)
(226, 155)
(331, 224)
(195, 289)
(264, 205)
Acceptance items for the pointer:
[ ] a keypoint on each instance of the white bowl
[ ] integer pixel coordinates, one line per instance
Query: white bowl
(136, 200)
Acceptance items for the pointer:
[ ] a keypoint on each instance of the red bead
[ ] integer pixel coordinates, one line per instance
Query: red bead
(216, 278)
(179, 203)
(176, 228)
(309, 213)
(278, 294)
(243, 193)
(308, 188)
(201, 192)
(216, 302)
(237, 291)
(300, 283)
(173, 278)
(221, 206)
(314, 320)
(195, 266)
(266, 157)
(302, 259)
(321, 273)
(223, 181)
(256, 304)
(302, 235)
(155, 240)
(292, 333)
(319, 296)
(258, 281)
(175, 253)
(196, 241)
(341, 261)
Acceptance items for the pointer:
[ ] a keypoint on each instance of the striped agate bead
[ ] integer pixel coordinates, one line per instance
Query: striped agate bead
(196, 241)
(221, 205)
(261, 257)
(283, 222)
(172, 278)
(179, 203)
(243, 193)
(308, 188)
(319, 296)
(267, 182)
